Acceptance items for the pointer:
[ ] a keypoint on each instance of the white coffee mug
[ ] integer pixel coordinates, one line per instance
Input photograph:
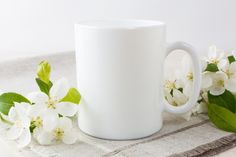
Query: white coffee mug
(120, 73)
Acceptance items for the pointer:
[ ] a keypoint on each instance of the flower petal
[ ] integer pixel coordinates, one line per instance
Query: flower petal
(212, 52)
(21, 113)
(65, 123)
(187, 90)
(221, 54)
(179, 97)
(50, 120)
(38, 97)
(202, 108)
(217, 90)
(232, 67)
(70, 137)
(223, 64)
(230, 84)
(66, 108)
(36, 110)
(186, 65)
(44, 138)
(59, 89)
(36, 132)
(169, 98)
(12, 115)
(14, 132)
(205, 96)
(25, 121)
(179, 83)
(206, 80)
(25, 138)
(219, 76)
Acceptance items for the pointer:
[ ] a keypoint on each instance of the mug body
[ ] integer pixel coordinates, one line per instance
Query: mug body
(119, 74)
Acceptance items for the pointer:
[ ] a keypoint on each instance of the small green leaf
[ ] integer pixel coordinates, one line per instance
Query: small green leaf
(226, 100)
(44, 87)
(7, 101)
(212, 67)
(222, 118)
(5, 107)
(231, 59)
(43, 71)
(72, 96)
(13, 97)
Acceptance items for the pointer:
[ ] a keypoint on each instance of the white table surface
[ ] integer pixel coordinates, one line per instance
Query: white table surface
(7, 151)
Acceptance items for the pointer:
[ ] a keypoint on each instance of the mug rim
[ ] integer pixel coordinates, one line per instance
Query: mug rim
(119, 24)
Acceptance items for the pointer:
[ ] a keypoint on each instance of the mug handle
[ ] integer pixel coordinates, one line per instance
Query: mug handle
(196, 81)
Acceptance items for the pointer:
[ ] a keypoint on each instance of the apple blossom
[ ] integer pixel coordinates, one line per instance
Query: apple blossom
(20, 129)
(63, 131)
(52, 103)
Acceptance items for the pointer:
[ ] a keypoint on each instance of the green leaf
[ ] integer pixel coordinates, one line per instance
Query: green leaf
(44, 87)
(5, 107)
(7, 101)
(212, 67)
(13, 97)
(72, 96)
(231, 59)
(226, 100)
(43, 71)
(222, 118)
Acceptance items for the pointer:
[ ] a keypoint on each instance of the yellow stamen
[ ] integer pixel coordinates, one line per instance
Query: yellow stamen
(58, 133)
(38, 122)
(229, 73)
(170, 84)
(190, 76)
(220, 82)
(51, 103)
(214, 61)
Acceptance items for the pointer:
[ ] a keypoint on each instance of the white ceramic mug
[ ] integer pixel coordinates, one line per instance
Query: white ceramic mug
(120, 73)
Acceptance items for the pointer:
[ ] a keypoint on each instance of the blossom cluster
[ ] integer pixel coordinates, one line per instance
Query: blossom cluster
(218, 76)
(45, 115)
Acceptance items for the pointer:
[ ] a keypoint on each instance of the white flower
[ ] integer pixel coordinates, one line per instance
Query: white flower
(186, 75)
(218, 85)
(200, 107)
(230, 71)
(224, 79)
(20, 129)
(63, 131)
(172, 84)
(214, 55)
(206, 79)
(197, 109)
(51, 103)
(204, 95)
(177, 99)
(42, 118)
